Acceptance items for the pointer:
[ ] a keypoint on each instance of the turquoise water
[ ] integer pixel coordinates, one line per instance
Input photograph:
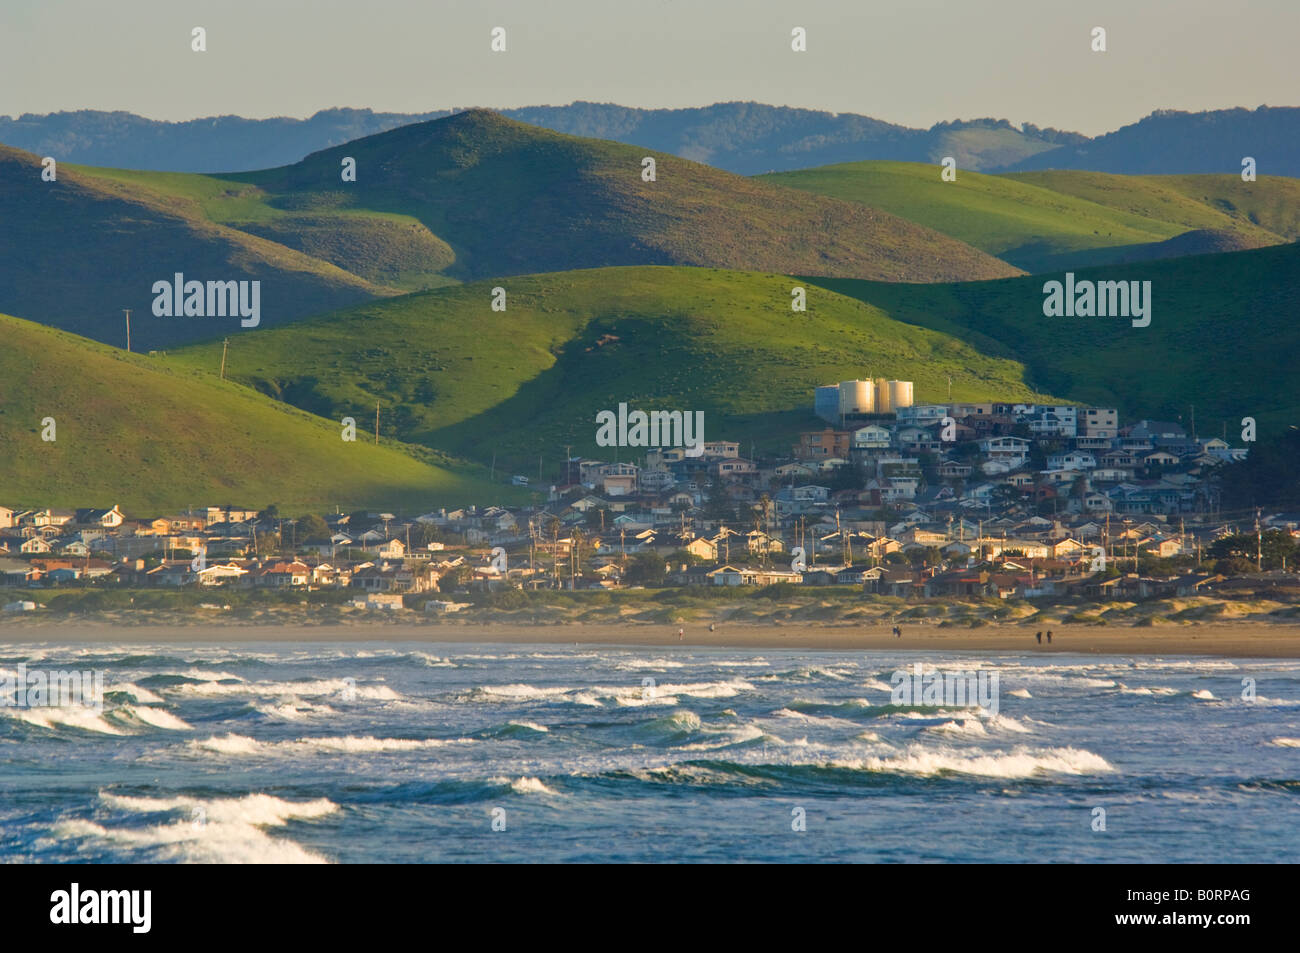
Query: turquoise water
(416, 752)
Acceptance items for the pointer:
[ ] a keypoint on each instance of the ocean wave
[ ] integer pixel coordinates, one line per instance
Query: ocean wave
(1020, 693)
(233, 744)
(137, 694)
(1276, 702)
(311, 688)
(1020, 762)
(1286, 742)
(519, 729)
(638, 664)
(215, 830)
(54, 719)
(291, 709)
(152, 717)
(526, 785)
(1143, 690)
(626, 696)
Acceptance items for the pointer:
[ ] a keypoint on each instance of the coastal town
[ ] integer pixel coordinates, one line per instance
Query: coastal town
(890, 497)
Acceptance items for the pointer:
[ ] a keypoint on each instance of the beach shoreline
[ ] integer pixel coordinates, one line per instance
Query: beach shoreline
(1234, 641)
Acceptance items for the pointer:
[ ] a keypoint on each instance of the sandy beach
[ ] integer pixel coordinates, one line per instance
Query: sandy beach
(1238, 641)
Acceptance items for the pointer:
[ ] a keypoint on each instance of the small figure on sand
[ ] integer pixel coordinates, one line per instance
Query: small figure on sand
(898, 633)
(1049, 636)
(1039, 636)
(713, 626)
(681, 633)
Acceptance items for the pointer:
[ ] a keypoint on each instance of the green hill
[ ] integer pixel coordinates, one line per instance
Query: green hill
(150, 438)
(1222, 336)
(476, 195)
(531, 380)
(1041, 221)
(1269, 206)
(76, 251)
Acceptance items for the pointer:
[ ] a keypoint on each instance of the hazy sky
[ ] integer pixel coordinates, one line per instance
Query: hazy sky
(908, 61)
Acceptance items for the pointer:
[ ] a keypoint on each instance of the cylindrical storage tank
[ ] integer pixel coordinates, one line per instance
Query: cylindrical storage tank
(857, 397)
(884, 403)
(900, 394)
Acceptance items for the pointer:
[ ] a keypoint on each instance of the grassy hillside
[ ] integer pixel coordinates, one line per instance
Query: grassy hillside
(477, 195)
(531, 380)
(1042, 221)
(1269, 206)
(1222, 335)
(152, 438)
(76, 251)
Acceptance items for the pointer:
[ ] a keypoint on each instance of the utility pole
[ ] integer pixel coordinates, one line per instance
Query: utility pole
(1105, 549)
(376, 423)
(224, 344)
(1259, 544)
(127, 311)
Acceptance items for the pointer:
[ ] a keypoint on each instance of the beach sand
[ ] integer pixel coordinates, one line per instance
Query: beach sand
(1239, 641)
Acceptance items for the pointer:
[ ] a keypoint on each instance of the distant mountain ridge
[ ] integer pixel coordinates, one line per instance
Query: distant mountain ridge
(747, 138)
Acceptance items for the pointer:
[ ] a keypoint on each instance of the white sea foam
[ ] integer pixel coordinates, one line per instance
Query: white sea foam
(525, 785)
(1203, 694)
(1286, 742)
(154, 717)
(727, 737)
(293, 709)
(967, 726)
(1143, 690)
(628, 696)
(531, 726)
(1020, 693)
(1020, 762)
(1276, 702)
(87, 719)
(635, 664)
(337, 687)
(217, 830)
(233, 744)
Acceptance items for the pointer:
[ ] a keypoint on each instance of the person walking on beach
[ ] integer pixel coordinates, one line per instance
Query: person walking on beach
(1039, 636)
(1049, 636)
(713, 626)
(681, 633)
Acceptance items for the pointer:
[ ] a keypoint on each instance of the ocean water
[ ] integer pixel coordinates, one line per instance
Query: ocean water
(278, 752)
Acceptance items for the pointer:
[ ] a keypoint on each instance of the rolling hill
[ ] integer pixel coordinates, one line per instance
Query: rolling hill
(1269, 206)
(1042, 221)
(152, 438)
(1222, 336)
(531, 380)
(76, 251)
(498, 197)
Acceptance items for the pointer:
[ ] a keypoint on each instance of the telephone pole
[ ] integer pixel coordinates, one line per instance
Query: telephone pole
(1259, 544)
(376, 422)
(224, 344)
(127, 311)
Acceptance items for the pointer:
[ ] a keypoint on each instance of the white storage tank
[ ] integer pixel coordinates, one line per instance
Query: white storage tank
(884, 405)
(900, 394)
(857, 397)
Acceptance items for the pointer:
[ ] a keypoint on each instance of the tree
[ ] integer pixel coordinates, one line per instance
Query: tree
(313, 529)
(645, 569)
(1276, 545)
